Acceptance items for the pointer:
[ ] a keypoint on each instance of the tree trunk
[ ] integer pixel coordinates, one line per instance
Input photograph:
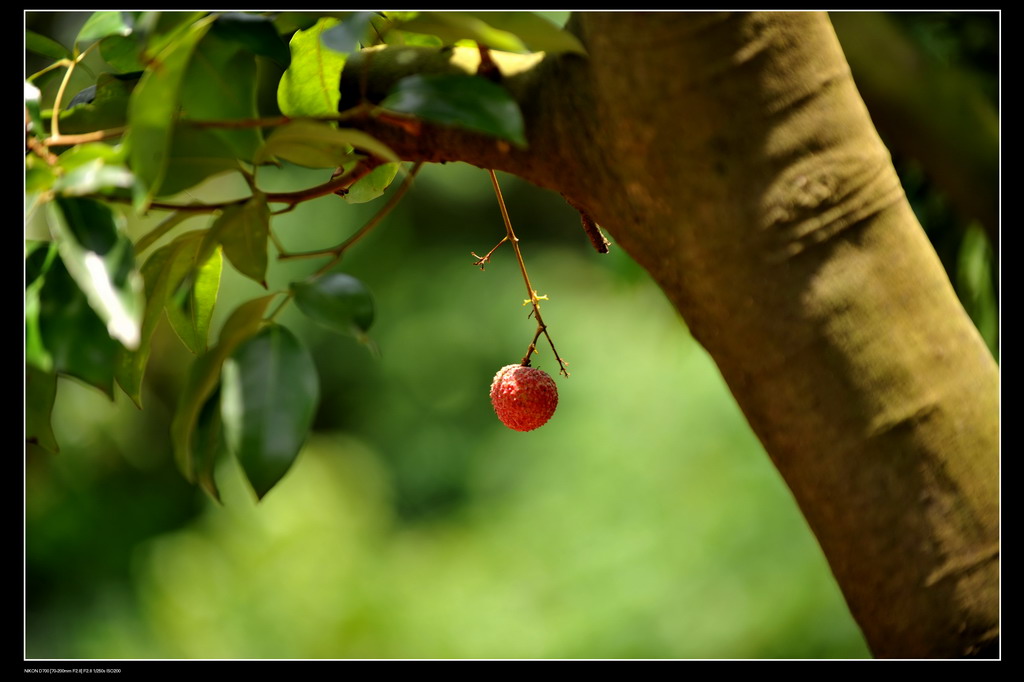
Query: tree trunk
(733, 158)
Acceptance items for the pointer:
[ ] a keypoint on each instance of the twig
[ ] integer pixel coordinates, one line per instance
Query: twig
(51, 67)
(534, 299)
(57, 140)
(40, 150)
(277, 242)
(487, 68)
(280, 306)
(54, 123)
(593, 231)
(338, 250)
(482, 260)
(361, 170)
(597, 238)
(188, 208)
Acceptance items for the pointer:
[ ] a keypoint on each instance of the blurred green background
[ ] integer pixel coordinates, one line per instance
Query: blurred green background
(645, 520)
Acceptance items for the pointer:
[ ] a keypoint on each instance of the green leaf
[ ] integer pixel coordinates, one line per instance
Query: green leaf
(163, 273)
(269, 396)
(254, 32)
(319, 145)
(88, 152)
(242, 324)
(91, 168)
(204, 376)
(40, 392)
(101, 260)
(39, 257)
(537, 33)
(32, 94)
(108, 108)
(397, 37)
(161, 30)
(194, 156)
(288, 22)
(373, 185)
(72, 333)
(94, 178)
(974, 284)
(123, 53)
(103, 24)
(509, 31)
(154, 106)
(220, 84)
(459, 100)
(39, 175)
(452, 27)
(347, 36)
(243, 230)
(190, 310)
(209, 444)
(337, 301)
(310, 85)
(48, 47)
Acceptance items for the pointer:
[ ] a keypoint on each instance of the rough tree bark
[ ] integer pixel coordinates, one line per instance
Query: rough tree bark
(733, 158)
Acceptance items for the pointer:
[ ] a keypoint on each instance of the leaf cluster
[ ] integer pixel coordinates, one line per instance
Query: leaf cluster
(177, 103)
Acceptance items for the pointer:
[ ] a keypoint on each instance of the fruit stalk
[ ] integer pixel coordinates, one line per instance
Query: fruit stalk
(533, 299)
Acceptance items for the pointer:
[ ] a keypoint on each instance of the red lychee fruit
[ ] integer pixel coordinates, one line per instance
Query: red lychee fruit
(523, 397)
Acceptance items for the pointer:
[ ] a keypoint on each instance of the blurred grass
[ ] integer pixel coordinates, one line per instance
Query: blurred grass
(643, 521)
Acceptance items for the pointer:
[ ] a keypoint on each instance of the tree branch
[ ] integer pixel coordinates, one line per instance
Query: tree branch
(554, 115)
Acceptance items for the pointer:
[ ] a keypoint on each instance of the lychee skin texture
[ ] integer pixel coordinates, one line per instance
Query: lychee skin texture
(523, 397)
